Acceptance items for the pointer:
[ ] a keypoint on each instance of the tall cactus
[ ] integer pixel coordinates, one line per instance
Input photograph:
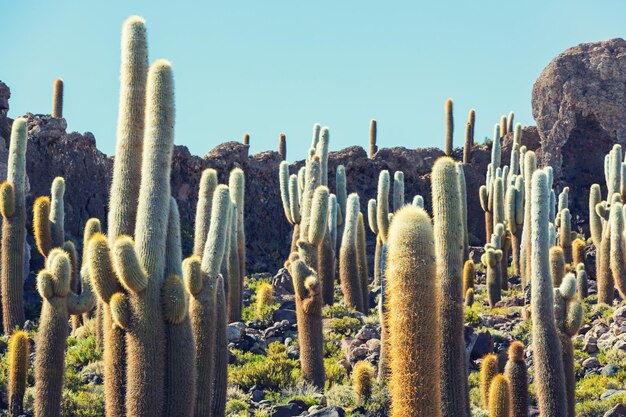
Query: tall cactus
(568, 312)
(530, 166)
(412, 290)
(282, 146)
(373, 133)
(557, 265)
(448, 233)
(57, 212)
(548, 361)
(348, 258)
(463, 191)
(236, 185)
(499, 397)
(514, 215)
(488, 371)
(18, 353)
(326, 254)
(565, 234)
(517, 374)
(208, 182)
(309, 316)
(491, 260)
(59, 302)
(13, 206)
(449, 127)
(361, 253)
(57, 98)
(371, 221)
(398, 190)
(616, 255)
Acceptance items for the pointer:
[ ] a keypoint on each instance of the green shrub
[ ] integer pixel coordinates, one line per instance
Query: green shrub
(273, 372)
(345, 326)
(83, 403)
(335, 373)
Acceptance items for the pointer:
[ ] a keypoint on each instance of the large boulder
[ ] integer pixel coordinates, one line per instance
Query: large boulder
(579, 104)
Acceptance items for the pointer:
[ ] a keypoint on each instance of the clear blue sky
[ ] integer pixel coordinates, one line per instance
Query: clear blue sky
(274, 66)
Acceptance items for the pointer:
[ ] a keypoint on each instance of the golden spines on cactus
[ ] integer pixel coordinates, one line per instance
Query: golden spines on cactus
(57, 98)
(469, 275)
(578, 251)
(264, 296)
(282, 146)
(557, 265)
(363, 380)
(309, 316)
(414, 383)
(41, 225)
(18, 354)
(488, 371)
(517, 374)
(499, 397)
(469, 297)
(7, 200)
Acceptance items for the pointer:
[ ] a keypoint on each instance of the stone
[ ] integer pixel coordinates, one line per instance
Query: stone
(285, 410)
(483, 345)
(579, 104)
(618, 411)
(591, 363)
(235, 332)
(329, 412)
(369, 331)
(284, 315)
(619, 315)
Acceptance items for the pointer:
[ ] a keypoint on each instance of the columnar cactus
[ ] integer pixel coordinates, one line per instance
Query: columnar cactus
(557, 265)
(363, 380)
(57, 212)
(413, 327)
(468, 143)
(463, 191)
(309, 316)
(220, 369)
(530, 166)
(469, 275)
(57, 98)
(448, 232)
(488, 371)
(398, 190)
(517, 374)
(499, 397)
(565, 234)
(18, 353)
(616, 255)
(548, 361)
(208, 182)
(578, 251)
(373, 132)
(236, 185)
(326, 254)
(282, 146)
(180, 357)
(569, 315)
(230, 271)
(469, 297)
(371, 220)
(59, 302)
(201, 277)
(246, 139)
(514, 216)
(348, 257)
(361, 253)
(449, 127)
(581, 282)
(13, 207)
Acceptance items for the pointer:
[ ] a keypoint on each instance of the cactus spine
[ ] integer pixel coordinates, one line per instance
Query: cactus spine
(449, 127)
(499, 397)
(309, 316)
(517, 374)
(488, 371)
(18, 352)
(13, 229)
(548, 362)
(348, 257)
(414, 387)
(373, 133)
(363, 380)
(448, 232)
(57, 98)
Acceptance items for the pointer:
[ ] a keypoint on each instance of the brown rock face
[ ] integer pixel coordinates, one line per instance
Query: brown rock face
(5, 94)
(579, 104)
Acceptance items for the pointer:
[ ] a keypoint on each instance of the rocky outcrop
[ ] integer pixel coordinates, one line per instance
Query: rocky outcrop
(579, 104)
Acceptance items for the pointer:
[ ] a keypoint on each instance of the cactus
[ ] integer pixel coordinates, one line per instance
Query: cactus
(486, 203)
(569, 315)
(557, 265)
(398, 190)
(57, 98)
(309, 316)
(230, 271)
(326, 254)
(180, 370)
(413, 327)
(13, 230)
(499, 397)
(342, 198)
(548, 363)
(282, 146)
(448, 231)
(582, 285)
(17, 358)
(57, 212)
(491, 259)
(488, 370)
(363, 380)
(449, 127)
(236, 185)
(565, 234)
(517, 374)
(463, 191)
(246, 139)
(530, 166)
(221, 352)
(469, 297)
(59, 302)
(578, 251)
(616, 253)
(514, 216)
(467, 144)
(208, 182)
(371, 220)
(348, 257)
(469, 275)
(41, 225)
(418, 201)
(563, 201)
(382, 205)
(361, 253)
(604, 277)
(373, 132)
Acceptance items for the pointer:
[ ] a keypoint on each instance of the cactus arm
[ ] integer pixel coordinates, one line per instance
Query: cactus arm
(382, 205)
(208, 182)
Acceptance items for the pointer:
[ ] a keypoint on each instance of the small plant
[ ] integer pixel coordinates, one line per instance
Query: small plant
(363, 380)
